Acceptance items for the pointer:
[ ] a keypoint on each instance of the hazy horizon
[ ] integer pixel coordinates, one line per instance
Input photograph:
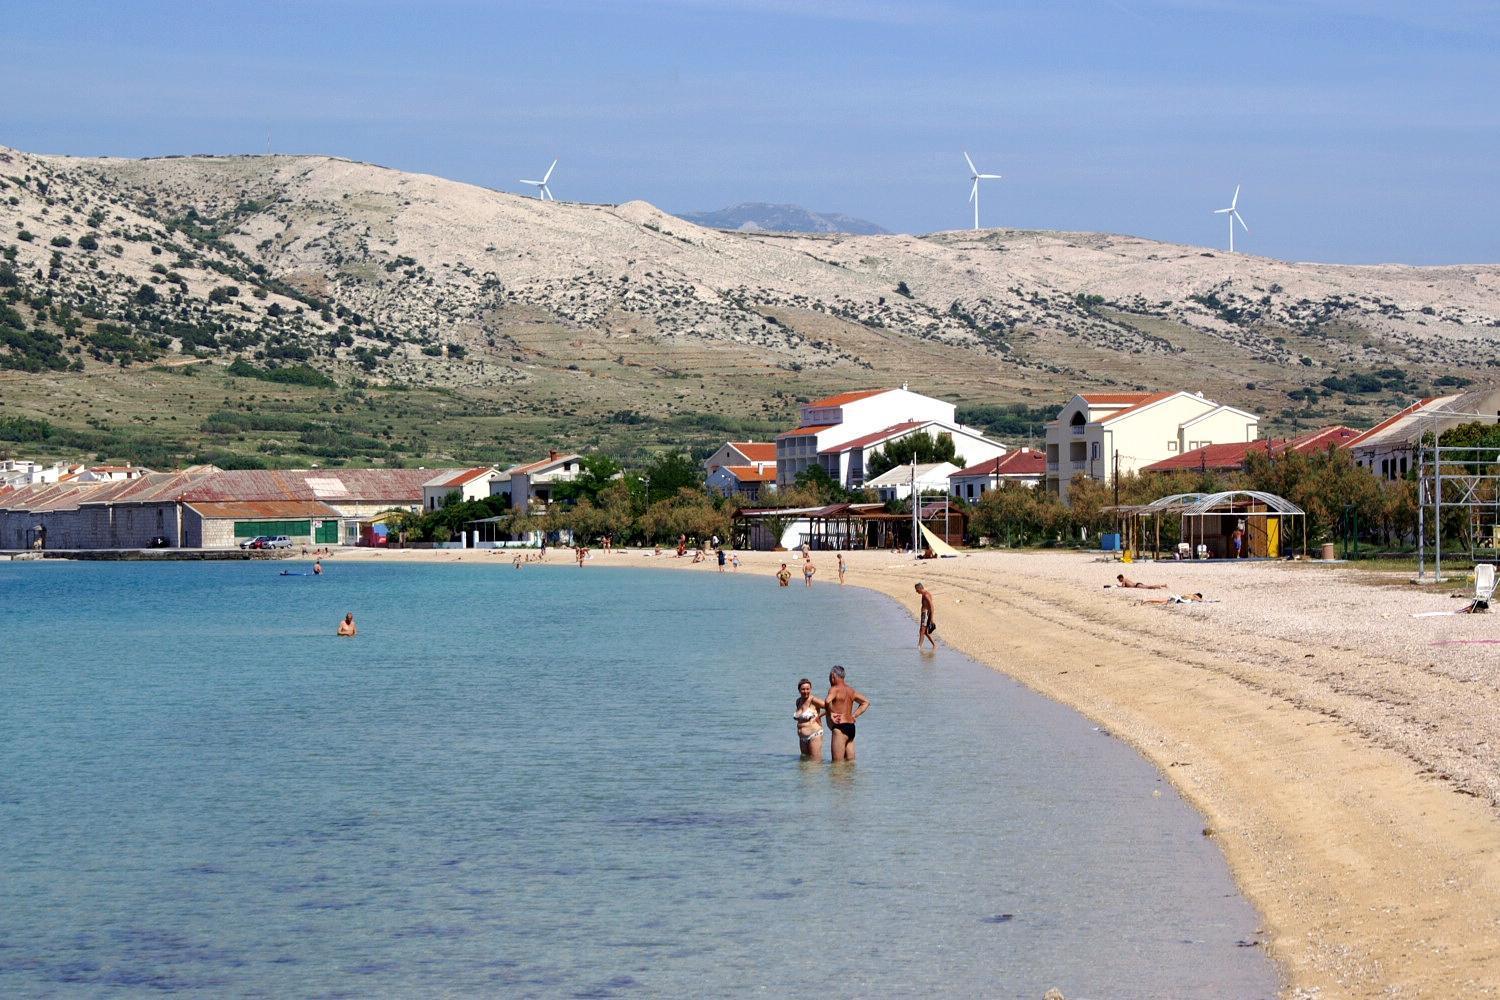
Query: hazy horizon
(1361, 133)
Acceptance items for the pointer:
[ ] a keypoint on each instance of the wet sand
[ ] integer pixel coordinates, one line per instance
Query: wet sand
(1345, 755)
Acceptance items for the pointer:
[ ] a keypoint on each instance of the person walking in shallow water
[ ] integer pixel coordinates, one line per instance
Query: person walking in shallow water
(926, 625)
(841, 568)
(843, 705)
(808, 569)
(783, 575)
(346, 627)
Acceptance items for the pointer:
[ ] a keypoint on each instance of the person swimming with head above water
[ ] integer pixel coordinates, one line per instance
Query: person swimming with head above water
(346, 627)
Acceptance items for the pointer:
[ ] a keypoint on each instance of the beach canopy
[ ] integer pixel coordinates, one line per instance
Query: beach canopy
(938, 546)
(1194, 510)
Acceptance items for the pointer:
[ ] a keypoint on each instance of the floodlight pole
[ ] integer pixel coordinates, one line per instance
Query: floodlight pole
(916, 509)
(1421, 511)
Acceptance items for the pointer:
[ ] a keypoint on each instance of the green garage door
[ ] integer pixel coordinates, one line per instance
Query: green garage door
(328, 533)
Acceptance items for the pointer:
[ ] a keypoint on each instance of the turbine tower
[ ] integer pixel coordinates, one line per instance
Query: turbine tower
(542, 190)
(1234, 216)
(976, 177)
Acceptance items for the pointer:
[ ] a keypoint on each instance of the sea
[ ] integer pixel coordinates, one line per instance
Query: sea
(563, 782)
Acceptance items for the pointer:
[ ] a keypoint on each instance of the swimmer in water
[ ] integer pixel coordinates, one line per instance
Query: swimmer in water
(317, 567)
(346, 627)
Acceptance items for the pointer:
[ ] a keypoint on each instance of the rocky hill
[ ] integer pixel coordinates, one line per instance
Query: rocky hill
(781, 219)
(551, 317)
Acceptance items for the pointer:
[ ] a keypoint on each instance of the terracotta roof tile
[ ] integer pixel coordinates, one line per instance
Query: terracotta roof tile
(1155, 397)
(866, 440)
(756, 451)
(846, 397)
(804, 431)
(1026, 462)
(751, 474)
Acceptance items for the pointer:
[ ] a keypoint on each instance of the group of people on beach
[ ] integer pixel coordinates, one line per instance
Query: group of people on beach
(784, 575)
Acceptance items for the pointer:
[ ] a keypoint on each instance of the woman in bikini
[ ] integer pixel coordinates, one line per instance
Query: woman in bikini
(809, 716)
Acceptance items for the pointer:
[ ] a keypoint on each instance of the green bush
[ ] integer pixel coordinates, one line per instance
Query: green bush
(24, 429)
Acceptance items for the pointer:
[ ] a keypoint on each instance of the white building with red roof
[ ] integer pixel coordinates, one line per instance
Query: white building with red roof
(1388, 448)
(478, 483)
(531, 482)
(1024, 467)
(1098, 435)
(842, 431)
(1234, 456)
(742, 468)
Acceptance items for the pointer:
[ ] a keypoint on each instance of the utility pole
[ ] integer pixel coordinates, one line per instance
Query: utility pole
(1116, 476)
(916, 509)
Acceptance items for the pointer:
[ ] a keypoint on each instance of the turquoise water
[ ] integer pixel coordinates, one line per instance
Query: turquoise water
(562, 782)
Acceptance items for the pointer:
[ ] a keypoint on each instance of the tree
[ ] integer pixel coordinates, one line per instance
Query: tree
(816, 480)
(920, 447)
(669, 473)
(146, 296)
(595, 472)
(1019, 515)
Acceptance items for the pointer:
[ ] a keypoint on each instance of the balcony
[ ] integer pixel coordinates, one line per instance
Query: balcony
(1078, 429)
(1078, 465)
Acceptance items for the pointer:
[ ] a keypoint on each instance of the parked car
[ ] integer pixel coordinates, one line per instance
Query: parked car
(277, 542)
(254, 543)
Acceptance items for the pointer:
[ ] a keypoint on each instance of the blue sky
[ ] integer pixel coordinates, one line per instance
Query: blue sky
(1361, 131)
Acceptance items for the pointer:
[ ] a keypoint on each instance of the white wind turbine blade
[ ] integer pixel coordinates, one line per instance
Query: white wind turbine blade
(1221, 211)
(972, 169)
(988, 177)
(1236, 199)
(974, 191)
(548, 175)
(532, 183)
(1236, 216)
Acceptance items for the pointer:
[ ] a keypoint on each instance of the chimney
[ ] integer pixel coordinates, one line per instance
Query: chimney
(903, 386)
(552, 454)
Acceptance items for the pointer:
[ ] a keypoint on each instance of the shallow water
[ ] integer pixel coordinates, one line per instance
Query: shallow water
(558, 782)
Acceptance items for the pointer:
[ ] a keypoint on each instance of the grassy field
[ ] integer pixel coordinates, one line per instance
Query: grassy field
(165, 416)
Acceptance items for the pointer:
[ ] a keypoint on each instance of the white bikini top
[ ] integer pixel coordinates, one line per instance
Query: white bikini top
(806, 715)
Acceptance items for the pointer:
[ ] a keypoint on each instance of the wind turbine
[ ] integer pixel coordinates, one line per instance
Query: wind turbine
(976, 177)
(542, 190)
(1234, 215)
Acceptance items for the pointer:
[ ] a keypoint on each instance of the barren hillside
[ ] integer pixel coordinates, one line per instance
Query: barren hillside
(559, 312)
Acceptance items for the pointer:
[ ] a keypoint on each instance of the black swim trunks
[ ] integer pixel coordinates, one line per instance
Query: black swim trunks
(847, 728)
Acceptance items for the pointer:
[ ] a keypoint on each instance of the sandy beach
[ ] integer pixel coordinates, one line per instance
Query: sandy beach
(1343, 753)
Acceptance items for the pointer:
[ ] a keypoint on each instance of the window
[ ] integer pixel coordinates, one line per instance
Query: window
(1403, 465)
(981, 489)
(1171, 445)
(969, 487)
(1385, 468)
(1094, 450)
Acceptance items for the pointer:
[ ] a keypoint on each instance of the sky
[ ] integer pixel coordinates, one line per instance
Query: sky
(1361, 131)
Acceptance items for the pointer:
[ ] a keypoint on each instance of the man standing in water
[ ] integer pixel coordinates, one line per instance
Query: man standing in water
(925, 623)
(844, 706)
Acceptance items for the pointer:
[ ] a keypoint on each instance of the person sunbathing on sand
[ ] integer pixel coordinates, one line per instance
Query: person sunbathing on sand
(1130, 584)
(1176, 599)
